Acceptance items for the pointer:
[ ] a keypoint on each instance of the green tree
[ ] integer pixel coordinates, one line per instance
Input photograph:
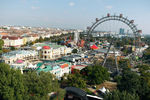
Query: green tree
(41, 39)
(11, 83)
(124, 63)
(1, 45)
(95, 74)
(76, 80)
(127, 50)
(117, 79)
(59, 95)
(130, 82)
(134, 83)
(27, 86)
(144, 91)
(144, 70)
(12, 48)
(38, 86)
(117, 95)
(145, 81)
(146, 54)
(74, 51)
(110, 63)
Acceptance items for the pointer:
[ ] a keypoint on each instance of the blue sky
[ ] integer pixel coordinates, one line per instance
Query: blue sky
(71, 13)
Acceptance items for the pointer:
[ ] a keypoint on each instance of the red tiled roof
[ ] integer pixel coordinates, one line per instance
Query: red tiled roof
(11, 37)
(33, 35)
(3, 33)
(46, 47)
(64, 65)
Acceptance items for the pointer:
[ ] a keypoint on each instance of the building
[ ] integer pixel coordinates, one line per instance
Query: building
(77, 67)
(77, 60)
(50, 51)
(30, 37)
(111, 52)
(58, 68)
(19, 64)
(121, 31)
(12, 41)
(13, 56)
(73, 58)
(3, 34)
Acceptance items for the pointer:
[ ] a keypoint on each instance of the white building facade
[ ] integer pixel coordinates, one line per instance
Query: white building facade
(12, 41)
(50, 51)
(47, 53)
(13, 56)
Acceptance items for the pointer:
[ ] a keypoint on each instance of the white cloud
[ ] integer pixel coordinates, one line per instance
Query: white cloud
(35, 8)
(71, 4)
(109, 7)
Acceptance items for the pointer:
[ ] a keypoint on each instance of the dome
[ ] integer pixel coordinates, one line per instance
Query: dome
(46, 47)
(19, 61)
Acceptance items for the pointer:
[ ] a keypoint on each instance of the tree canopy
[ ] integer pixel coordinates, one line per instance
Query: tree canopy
(74, 80)
(74, 51)
(11, 83)
(95, 74)
(135, 83)
(1, 45)
(27, 86)
(124, 63)
(146, 54)
(117, 95)
(129, 82)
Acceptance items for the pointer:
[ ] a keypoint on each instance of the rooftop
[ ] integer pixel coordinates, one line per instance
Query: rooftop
(51, 45)
(11, 37)
(46, 47)
(15, 53)
(51, 65)
(3, 33)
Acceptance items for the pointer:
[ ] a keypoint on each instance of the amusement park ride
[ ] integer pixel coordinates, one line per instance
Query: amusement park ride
(84, 42)
(130, 23)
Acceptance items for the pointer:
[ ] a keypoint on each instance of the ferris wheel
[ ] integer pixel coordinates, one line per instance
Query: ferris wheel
(134, 32)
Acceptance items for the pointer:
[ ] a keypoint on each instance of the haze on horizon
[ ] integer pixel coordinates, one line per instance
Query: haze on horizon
(72, 13)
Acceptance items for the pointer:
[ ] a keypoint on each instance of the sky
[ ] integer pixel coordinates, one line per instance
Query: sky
(75, 14)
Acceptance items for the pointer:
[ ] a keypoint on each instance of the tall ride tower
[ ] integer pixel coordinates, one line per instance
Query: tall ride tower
(76, 37)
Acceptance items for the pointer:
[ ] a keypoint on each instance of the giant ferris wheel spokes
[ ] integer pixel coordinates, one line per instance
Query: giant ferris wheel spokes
(120, 18)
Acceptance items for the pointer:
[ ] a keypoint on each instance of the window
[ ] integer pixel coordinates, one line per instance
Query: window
(9, 62)
(45, 57)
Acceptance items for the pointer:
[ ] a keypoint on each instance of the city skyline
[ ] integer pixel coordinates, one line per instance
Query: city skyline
(71, 13)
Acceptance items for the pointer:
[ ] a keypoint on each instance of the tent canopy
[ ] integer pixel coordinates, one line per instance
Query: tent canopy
(94, 47)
